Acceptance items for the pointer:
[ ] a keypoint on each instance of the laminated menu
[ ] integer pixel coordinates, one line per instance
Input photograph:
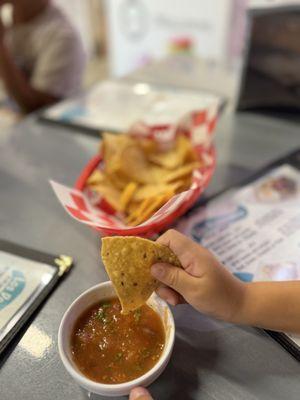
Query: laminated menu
(255, 230)
(26, 277)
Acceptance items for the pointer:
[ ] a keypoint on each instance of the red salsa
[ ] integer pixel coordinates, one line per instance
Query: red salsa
(110, 347)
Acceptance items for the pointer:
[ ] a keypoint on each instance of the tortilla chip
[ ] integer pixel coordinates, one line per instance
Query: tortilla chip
(152, 190)
(149, 146)
(128, 260)
(113, 146)
(134, 165)
(139, 210)
(96, 177)
(137, 177)
(181, 172)
(153, 205)
(157, 174)
(127, 195)
(118, 180)
(173, 158)
(168, 159)
(110, 193)
(184, 183)
(191, 156)
(132, 207)
(186, 149)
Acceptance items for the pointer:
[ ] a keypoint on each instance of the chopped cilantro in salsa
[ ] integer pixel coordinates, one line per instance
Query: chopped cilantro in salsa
(110, 347)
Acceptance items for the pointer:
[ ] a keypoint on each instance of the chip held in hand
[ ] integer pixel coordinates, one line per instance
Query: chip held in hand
(128, 261)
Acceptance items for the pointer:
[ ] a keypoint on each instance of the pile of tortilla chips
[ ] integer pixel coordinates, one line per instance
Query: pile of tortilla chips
(138, 177)
(128, 260)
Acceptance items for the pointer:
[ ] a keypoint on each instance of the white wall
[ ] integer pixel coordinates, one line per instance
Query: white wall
(141, 30)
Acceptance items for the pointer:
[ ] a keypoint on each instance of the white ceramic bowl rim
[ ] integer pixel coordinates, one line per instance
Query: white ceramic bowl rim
(93, 385)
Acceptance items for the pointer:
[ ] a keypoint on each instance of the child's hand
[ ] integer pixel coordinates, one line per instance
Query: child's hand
(139, 393)
(203, 282)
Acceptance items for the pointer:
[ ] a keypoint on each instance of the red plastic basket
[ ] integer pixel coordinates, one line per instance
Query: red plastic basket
(167, 220)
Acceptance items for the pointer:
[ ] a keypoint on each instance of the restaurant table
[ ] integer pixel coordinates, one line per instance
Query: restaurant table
(211, 359)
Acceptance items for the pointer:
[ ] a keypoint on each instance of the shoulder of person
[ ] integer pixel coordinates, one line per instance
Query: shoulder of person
(55, 25)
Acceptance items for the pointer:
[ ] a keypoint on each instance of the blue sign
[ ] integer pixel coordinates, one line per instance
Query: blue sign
(11, 287)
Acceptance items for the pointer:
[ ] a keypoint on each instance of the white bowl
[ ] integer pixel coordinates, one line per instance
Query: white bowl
(88, 298)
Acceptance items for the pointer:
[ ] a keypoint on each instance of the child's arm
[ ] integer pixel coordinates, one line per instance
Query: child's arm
(271, 305)
(205, 284)
(16, 83)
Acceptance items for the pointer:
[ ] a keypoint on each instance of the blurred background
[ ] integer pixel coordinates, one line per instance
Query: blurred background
(122, 35)
(247, 51)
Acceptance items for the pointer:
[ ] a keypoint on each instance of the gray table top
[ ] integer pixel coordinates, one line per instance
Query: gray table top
(211, 360)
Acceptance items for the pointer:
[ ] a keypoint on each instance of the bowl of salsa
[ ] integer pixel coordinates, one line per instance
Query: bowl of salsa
(109, 353)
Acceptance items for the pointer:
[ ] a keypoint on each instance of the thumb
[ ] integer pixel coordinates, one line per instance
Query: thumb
(140, 393)
(174, 277)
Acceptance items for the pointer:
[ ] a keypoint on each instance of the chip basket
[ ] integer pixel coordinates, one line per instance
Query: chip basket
(82, 205)
(165, 221)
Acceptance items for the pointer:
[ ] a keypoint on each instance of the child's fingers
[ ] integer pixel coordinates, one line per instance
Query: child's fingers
(139, 393)
(174, 277)
(176, 241)
(170, 296)
(184, 248)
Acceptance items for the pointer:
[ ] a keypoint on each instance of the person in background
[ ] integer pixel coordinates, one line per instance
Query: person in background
(41, 55)
(206, 285)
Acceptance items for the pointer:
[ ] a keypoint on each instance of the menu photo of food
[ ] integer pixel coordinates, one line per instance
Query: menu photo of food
(280, 271)
(276, 189)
